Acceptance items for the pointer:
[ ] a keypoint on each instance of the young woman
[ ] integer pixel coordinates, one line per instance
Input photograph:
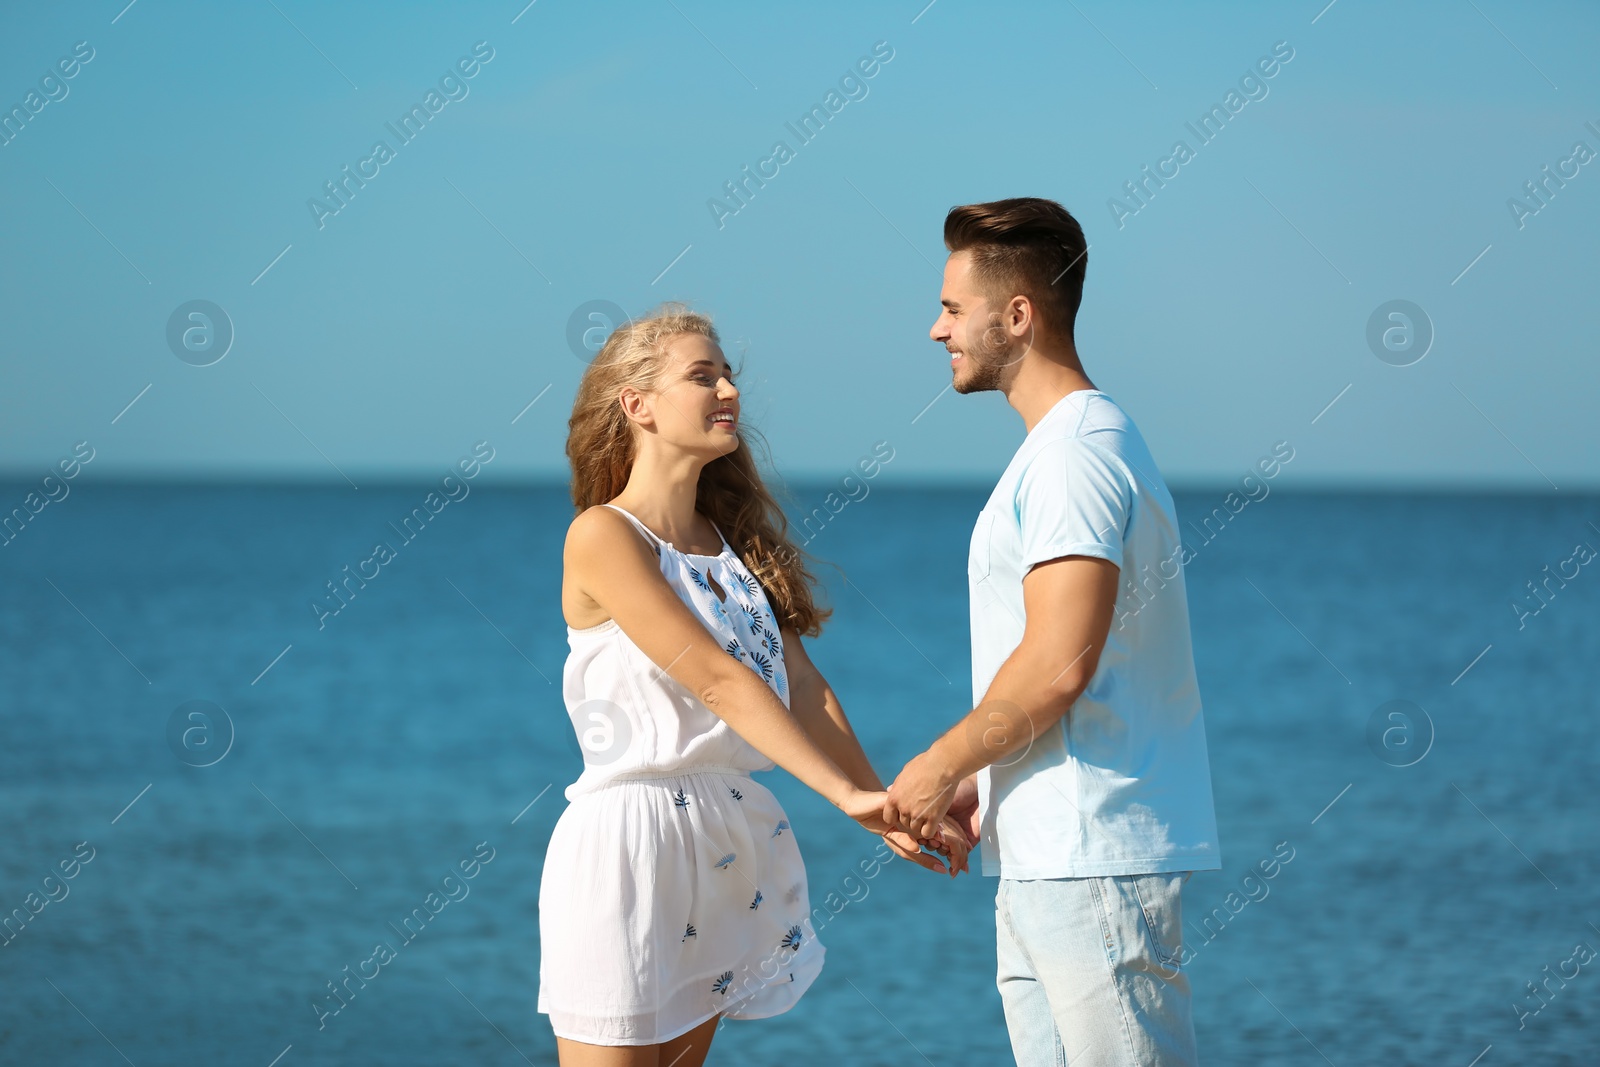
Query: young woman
(673, 891)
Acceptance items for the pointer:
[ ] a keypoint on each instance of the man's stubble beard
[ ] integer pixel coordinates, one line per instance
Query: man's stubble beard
(988, 357)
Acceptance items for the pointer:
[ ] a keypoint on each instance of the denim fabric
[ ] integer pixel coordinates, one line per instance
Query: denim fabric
(1089, 972)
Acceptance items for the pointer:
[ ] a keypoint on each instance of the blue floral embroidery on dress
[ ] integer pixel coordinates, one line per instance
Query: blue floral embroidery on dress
(698, 579)
(680, 799)
(689, 931)
(756, 903)
(762, 664)
(722, 983)
(752, 613)
(727, 861)
(732, 648)
(783, 824)
(783, 685)
(749, 584)
(792, 939)
(769, 641)
(735, 793)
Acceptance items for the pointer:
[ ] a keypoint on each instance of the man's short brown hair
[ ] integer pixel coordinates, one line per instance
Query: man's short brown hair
(1028, 247)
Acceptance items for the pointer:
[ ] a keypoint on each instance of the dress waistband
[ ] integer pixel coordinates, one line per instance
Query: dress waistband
(657, 775)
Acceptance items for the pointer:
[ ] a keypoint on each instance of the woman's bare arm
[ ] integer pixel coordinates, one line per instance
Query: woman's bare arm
(613, 566)
(820, 714)
(817, 708)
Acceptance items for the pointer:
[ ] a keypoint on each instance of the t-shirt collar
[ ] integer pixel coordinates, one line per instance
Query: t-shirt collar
(1062, 403)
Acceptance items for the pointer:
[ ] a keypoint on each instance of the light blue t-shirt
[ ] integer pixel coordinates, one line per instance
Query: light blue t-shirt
(1121, 784)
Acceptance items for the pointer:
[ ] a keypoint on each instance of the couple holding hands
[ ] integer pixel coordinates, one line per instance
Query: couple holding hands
(674, 893)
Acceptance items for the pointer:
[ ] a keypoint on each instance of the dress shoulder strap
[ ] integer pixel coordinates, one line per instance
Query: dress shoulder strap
(655, 541)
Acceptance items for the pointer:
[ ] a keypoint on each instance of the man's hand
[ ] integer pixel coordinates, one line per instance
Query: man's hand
(866, 808)
(1069, 602)
(920, 797)
(964, 809)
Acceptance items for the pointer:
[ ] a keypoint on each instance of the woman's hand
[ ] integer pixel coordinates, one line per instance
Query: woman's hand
(866, 808)
(952, 844)
(905, 846)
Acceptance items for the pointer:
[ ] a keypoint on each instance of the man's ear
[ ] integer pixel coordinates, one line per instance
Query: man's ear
(636, 408)
(1020, 317)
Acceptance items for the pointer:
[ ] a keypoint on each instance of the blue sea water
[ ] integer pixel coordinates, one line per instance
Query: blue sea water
(371, 755)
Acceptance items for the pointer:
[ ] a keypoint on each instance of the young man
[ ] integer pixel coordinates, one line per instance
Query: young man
(1083, 768)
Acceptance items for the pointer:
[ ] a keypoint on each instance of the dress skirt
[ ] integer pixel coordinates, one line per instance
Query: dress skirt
(668, 900)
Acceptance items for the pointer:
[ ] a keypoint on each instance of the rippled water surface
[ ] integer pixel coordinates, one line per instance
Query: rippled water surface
(370, 756)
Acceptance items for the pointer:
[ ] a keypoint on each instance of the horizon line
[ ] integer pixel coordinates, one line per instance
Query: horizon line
(809, 482)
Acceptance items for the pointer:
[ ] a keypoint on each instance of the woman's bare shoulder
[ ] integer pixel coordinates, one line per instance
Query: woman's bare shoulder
(602, 548)
(600, 533)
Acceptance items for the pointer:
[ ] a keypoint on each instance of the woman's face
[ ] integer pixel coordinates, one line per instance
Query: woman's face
(696, 405)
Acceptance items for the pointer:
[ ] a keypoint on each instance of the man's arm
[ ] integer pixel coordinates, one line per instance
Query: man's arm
(1068, 603)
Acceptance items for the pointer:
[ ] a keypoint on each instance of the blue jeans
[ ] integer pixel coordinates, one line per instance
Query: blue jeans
(1089, 971)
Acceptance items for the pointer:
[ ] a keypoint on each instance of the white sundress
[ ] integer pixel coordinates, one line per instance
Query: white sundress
(673, 888)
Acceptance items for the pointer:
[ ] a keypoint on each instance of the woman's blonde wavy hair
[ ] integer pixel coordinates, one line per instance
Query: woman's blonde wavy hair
(601, 448)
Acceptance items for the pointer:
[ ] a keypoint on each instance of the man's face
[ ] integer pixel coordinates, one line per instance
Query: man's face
(982, 351)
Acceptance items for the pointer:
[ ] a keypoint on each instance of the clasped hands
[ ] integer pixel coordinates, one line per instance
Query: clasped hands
(924, 808)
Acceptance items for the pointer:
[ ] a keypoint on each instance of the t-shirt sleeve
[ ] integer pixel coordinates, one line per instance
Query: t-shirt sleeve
(1072, 500)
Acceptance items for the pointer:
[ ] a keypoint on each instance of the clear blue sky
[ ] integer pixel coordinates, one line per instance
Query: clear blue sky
(1225, 314)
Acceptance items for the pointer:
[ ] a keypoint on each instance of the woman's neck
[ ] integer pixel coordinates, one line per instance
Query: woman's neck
(661, 494)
